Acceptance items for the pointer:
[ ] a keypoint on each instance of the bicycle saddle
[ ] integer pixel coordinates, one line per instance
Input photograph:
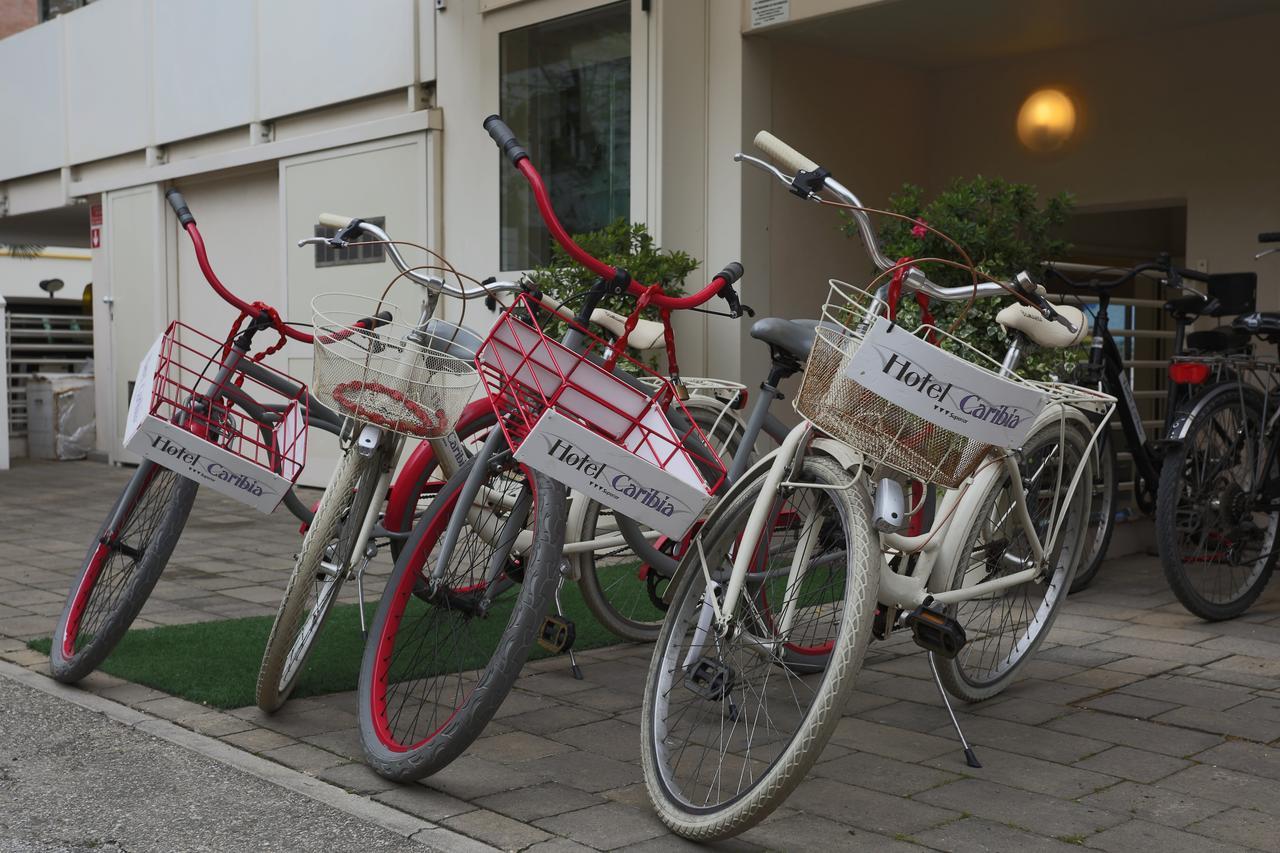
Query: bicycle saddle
(794, 337)
(1220, 339)
(1265, 324)
(1046, 333)
(648, 334)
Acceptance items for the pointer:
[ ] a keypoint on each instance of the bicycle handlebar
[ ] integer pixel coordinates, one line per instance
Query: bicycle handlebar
(809, 178)
(343, 223)
(1269, 237)
(1096, 284)
(188, 222)
(510, 146)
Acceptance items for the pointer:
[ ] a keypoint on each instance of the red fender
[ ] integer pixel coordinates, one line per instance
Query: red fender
(404, 489)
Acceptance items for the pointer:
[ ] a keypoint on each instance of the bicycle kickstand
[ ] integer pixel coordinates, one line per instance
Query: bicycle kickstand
(970, 757)
(558, 632)
(573, 661)
(364, 563)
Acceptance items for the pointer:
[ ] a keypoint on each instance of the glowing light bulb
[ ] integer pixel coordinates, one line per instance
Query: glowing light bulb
(1046, 120)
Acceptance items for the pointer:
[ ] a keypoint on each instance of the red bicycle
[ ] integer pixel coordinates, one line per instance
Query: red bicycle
(473, 583)
(205, 412)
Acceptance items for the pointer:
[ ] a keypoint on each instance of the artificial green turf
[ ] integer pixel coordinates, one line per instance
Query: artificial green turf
(216, 663)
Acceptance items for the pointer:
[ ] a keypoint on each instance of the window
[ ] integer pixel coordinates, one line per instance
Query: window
(50, 9)
(565, 90)
(356, 252)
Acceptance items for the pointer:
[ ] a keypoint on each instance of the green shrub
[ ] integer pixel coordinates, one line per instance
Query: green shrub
(618, 244)
(1005, 230)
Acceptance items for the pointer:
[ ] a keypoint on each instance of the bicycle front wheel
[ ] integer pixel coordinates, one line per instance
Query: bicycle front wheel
(1217, 544)
(1005, 625)
(121, 569)
(446, 647)
(729, 727)
(319, 569)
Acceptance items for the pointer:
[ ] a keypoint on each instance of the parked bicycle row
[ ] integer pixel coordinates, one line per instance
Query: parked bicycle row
(928, 487)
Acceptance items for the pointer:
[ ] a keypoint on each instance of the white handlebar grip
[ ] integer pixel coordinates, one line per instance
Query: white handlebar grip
(783, 154)
(334, 220)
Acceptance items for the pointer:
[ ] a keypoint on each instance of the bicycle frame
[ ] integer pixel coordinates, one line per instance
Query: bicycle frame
(938, 546)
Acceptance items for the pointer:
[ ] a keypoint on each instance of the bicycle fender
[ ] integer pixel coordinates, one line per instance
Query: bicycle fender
(845, 456)
(1186, 416)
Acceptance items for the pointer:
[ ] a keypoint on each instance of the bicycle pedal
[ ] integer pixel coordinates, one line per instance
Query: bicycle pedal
(557, 634)
(936, 632)
(710, 679)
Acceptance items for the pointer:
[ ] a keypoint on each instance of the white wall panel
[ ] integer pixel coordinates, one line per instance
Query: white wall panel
(426, 41)
(31, 77)
(204, 66)
(108, 79)
(311, 54)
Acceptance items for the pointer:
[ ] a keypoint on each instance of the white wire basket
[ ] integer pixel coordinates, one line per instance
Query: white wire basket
(930, 412)
(411, 381)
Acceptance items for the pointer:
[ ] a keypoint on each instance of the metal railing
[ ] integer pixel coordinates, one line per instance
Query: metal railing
(41, 336)
(1147, 376)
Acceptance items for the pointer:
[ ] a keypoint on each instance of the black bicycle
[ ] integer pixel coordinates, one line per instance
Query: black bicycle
(1226, 295)
(1219, 499)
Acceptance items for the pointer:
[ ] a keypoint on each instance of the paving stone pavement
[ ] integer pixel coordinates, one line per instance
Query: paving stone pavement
(1136, 727)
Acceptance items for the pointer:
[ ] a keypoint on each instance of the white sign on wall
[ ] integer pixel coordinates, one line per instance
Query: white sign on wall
(765, 12)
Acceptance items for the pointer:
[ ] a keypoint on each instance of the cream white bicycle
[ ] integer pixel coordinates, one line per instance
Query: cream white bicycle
(729, 728)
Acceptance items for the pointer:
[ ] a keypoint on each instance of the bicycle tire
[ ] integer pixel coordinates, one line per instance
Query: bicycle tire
(156, 519)
(1182, 504)
(1106, 494)
(407, 756)
(311, 592)
(975, 680)
(680, 809)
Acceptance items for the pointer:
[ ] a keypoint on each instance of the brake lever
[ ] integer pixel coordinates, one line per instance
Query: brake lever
(330, 242)
(783, 177)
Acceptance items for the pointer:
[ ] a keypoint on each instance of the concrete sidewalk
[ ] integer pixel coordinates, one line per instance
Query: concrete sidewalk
(1137, 727)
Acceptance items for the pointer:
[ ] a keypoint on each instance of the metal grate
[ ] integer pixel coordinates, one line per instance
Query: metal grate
(355, 253)
(42, 336)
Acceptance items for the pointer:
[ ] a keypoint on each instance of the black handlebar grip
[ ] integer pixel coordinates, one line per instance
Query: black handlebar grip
(1269, 237)
(179, 205)
(379, 319)
(505, 139)
(731, 273)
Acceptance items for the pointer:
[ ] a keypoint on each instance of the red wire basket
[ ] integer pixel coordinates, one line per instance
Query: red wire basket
(569, 417)
(243, 438)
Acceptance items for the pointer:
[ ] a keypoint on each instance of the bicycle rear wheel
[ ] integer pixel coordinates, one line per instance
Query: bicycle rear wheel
(329, 544)
(1005, 626)
(442, 656)
(729, 728)
(1217, 546)
(121, 569)
(620, 590)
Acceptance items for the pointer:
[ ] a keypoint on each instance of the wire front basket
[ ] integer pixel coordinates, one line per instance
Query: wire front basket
(627, 442)
(196, 411)
(931, 412)
(405, 379)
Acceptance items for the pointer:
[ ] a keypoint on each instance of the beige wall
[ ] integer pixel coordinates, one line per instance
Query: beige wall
(861, 120)
(1180, 116)
(1185, 115)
